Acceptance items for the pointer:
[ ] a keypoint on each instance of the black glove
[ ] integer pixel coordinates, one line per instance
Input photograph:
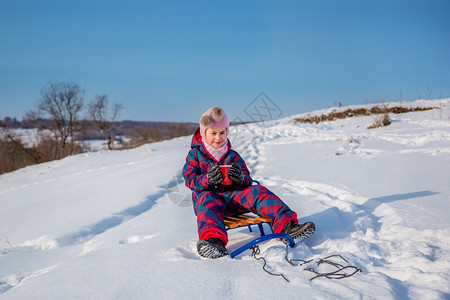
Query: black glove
(214, 175)
(235, 173)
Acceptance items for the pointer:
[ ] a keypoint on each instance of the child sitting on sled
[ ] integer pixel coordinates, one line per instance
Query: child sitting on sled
(210, 148)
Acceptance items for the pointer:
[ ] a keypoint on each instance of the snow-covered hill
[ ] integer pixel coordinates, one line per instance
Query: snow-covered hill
(119, 225)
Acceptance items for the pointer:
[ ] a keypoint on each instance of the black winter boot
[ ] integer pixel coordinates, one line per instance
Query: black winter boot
(299, 231)
(211, 248)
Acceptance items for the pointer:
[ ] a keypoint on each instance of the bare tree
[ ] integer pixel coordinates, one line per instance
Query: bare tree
(104, 116)
(61, 102)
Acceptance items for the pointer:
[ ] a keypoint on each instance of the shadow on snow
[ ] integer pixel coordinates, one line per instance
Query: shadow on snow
(334, 223)
(92, 230)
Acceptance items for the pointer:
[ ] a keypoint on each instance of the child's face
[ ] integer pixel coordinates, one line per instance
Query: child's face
(216, 136)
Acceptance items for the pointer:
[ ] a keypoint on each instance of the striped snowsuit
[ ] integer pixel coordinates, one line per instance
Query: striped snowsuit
(214, 203)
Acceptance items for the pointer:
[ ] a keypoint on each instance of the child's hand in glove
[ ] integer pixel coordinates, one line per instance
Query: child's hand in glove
(235, 173)
(214, 175)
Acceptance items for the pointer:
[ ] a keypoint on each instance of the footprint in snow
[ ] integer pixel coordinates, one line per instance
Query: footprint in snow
(135, 239)
(189, 251)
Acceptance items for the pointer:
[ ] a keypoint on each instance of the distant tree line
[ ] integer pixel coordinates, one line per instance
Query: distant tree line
(63, 120)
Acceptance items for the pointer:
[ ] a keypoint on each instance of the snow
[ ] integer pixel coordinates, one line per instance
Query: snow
(119, 224)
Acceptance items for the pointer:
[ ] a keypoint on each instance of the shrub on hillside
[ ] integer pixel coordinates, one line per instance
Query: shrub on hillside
(380, 121)
(335, 115)
(15, 154)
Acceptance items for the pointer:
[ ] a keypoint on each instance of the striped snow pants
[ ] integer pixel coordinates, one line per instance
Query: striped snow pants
(211, 208)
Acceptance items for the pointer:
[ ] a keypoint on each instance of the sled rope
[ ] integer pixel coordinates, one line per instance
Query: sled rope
(256, 251)
(291, 261)
(330, 275)
(339, 273)
(335, 274)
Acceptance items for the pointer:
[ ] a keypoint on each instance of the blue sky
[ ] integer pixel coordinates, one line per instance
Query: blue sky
(172, 60)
